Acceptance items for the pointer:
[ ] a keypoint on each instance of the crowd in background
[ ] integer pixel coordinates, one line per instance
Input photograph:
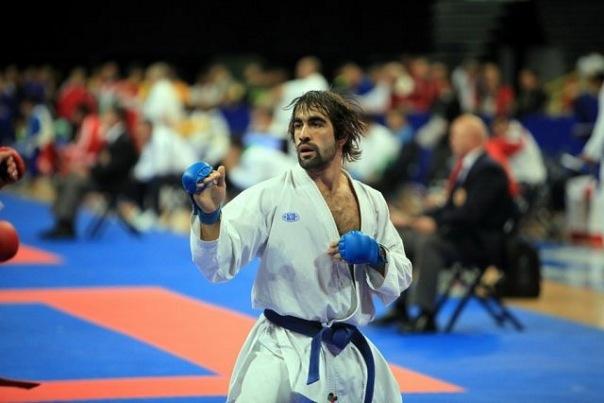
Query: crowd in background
(238, 116)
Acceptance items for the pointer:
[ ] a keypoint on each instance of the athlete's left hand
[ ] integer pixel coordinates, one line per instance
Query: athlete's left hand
(355, 247)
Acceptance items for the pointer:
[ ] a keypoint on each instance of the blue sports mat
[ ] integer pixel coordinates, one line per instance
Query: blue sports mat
(554, 360)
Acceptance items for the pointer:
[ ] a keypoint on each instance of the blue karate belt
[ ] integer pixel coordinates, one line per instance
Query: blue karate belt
(338, 334)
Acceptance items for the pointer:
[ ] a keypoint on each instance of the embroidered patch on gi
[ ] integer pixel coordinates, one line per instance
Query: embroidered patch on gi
(290, 217)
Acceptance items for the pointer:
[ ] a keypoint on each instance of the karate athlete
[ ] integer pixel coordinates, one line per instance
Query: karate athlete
(326, 246)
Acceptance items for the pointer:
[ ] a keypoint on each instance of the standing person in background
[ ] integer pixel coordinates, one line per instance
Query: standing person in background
(593, 152)
(317, 286)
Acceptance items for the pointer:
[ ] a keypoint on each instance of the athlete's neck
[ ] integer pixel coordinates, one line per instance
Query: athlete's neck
(329, 177)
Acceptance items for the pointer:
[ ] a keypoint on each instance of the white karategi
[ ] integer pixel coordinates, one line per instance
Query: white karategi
(287, 223)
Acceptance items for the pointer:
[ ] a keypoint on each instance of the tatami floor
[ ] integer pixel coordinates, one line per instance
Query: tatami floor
(123, 318)
(573, 275)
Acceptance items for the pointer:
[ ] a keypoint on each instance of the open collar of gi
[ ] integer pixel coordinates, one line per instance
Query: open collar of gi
(364, 208)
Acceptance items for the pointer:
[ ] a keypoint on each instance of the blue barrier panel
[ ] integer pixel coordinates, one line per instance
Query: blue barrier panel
(555, 134)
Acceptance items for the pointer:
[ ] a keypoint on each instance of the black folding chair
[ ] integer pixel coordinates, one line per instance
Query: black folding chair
(474, 282)
(472, 278)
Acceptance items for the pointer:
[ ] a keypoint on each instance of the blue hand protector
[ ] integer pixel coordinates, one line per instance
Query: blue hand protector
(193, 175)
(358, 248)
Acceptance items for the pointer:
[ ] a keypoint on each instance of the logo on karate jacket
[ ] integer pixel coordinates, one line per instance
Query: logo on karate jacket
(290, 216)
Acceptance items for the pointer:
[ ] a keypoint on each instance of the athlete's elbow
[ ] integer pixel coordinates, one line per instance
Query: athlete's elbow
(215, 276)
(217, 279)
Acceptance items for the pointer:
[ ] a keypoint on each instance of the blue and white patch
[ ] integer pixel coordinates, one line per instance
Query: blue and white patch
(290, 217)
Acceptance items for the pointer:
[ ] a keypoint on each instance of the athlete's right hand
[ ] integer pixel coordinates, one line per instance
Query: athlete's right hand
(209, 193)
(213, 191)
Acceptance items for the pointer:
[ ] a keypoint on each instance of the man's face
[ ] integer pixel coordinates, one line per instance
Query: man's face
(458, 139)
(314, 139)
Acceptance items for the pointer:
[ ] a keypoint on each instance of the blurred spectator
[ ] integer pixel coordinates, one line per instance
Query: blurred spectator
(434, 135)
(439, 76)
(590, 65)
(524, 155)
(379, 149)
(468, 228)
(401, 85)
(404, 165)
(494, 97)
(308, 77)
(423, 93)
(465, 79)
(518, 151)
(377, 101)
(8, 111)
(264, 153)
(31, 86)
(163, 104)
(445, 108)
(128, 92)
(110, 174)
(82, 152)
(46, 76)
(213, 87)
(74, 154)
(208, 133)
(593, 152)
(586, 104)
(73, 93)
(129, 89)
(38, 131)
(103, 85)
(563, 92)
(531, 98)
(351, 80)
(257, 84)
(164, 156)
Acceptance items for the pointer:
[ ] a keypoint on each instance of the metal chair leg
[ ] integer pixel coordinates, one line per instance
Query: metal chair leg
(507, 314)
(461, 304)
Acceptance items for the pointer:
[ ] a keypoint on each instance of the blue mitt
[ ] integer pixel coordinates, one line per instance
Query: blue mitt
(191, 177)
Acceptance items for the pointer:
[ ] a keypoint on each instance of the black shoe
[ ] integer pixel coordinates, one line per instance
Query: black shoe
(391, 318)
(59, 232)
(424, 323)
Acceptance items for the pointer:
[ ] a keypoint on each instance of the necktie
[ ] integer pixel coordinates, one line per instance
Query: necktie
(454, 174)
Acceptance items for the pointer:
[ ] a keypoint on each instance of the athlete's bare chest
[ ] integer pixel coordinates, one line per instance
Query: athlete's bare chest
(345, 211)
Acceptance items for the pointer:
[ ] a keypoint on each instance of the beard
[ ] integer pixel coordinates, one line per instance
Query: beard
(319, 160)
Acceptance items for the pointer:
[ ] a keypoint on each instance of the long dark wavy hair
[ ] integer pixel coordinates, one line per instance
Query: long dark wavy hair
(345, 116)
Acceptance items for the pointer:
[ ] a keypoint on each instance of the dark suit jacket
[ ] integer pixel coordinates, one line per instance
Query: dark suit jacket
(476, 211)
(114, 175)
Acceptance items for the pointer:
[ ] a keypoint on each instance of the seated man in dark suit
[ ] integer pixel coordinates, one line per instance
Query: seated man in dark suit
(468, 228)
(109, 174)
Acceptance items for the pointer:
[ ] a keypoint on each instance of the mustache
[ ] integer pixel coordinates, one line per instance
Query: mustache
(307, 145)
